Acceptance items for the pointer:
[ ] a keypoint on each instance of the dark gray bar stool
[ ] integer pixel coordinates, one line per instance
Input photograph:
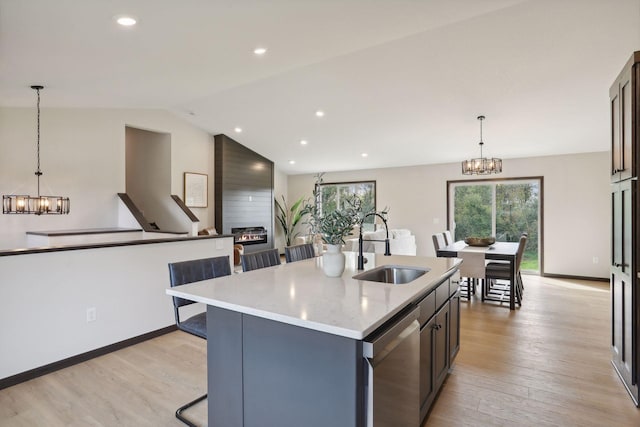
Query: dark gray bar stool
(299, 252)
(181, 273)
(262, 259)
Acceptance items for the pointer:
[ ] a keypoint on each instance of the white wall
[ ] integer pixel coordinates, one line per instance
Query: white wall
(576, 204)
(83, 157)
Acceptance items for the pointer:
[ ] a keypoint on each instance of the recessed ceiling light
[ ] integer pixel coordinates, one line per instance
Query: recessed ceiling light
(238, 130)
(126, 20)
(364, 155)
(320, 113)
(260, 51)
(303, 142)
(292, 162)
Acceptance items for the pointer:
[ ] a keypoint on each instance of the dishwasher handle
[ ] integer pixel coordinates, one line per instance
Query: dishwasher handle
(391, 337)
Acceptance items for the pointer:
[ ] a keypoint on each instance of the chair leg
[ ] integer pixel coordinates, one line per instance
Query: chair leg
(183, 408)
(521, 283)
(519, 289)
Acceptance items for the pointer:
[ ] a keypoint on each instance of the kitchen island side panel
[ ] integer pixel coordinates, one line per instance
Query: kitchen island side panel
(295, 376)
(290, 376)
(224, 367)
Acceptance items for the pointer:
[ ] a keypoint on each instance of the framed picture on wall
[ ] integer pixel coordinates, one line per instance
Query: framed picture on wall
(195, 190)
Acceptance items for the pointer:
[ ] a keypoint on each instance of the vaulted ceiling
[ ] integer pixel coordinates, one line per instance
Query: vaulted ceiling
(400, 80)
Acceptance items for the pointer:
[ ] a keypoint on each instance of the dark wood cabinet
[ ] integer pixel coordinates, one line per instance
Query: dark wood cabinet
(625, 225)
(624, 107)
(439, 340)
(427, 379)
(454, 326)
(441, 345)
(624, 293)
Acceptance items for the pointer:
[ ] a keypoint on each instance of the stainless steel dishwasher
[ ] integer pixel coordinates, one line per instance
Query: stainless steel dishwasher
(392, 374)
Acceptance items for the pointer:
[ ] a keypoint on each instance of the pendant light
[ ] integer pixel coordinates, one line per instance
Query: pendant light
(481, 165)
(38, 205)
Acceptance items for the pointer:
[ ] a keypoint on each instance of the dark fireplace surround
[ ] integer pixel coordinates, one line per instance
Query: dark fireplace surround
(243, 194)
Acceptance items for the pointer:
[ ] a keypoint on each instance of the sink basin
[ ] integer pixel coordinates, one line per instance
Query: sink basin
(395, 274)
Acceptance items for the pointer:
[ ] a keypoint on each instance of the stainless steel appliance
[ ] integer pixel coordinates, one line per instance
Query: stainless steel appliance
(393, 372)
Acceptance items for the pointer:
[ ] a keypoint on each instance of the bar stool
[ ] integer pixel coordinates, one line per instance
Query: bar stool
(181, 273)
(261, 259)
(299, 252)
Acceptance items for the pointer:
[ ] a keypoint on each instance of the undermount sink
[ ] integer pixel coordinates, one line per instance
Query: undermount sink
(395, 274)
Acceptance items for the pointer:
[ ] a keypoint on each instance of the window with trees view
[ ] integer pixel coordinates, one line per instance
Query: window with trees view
(501, 208)
(333, 194)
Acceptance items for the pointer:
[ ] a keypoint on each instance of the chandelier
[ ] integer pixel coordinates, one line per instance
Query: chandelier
(38, 205)
(481, 165)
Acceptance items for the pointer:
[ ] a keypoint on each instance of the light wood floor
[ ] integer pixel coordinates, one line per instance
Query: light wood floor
(545, 364)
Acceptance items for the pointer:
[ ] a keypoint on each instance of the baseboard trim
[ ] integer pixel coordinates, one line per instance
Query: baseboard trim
(65, 363)
(568, 276)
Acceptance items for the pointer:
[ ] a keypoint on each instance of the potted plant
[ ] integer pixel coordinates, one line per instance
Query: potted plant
(333, 227)
(290, 217)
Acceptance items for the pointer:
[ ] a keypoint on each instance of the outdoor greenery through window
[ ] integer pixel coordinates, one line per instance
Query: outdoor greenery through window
(504, 209)
(333, 194)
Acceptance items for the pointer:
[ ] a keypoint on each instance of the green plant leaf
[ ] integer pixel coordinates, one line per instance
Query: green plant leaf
(288, 218)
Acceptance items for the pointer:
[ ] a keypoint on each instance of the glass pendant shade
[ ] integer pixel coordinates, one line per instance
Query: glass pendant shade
(481, 165)
(37, 205)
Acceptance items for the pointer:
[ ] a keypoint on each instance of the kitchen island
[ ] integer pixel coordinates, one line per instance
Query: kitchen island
(285, 343)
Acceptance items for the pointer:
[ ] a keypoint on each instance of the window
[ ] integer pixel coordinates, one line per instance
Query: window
(332, 195)
(501, 208)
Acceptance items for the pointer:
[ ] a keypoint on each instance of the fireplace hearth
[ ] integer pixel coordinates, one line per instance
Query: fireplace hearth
(249, 235)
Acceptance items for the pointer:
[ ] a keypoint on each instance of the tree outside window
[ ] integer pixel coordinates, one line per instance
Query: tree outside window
(504, 209)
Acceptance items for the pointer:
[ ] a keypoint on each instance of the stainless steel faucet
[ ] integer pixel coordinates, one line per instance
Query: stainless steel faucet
(387, 250)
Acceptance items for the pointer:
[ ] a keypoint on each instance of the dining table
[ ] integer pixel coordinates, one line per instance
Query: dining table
(498, 251)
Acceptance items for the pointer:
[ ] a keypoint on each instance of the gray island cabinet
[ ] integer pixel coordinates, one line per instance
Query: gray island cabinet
(288, 346)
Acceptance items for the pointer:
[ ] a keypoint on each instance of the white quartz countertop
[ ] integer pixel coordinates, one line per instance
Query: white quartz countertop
(300, 294)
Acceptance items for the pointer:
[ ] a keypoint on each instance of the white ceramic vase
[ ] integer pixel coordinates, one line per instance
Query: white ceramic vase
(333, 261)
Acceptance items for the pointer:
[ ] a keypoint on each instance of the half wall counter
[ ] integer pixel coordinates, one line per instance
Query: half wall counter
(62, 304)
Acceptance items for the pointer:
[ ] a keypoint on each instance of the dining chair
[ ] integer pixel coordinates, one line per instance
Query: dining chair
(181, 273)
(448, 239)
(299, 252)
(438, 241)
(467, 284)
(261, 259)
(494, 271)
(506, 264)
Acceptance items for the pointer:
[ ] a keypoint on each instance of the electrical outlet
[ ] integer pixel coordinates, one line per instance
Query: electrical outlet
(595, 260)
(436, 220)
(91, 314)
